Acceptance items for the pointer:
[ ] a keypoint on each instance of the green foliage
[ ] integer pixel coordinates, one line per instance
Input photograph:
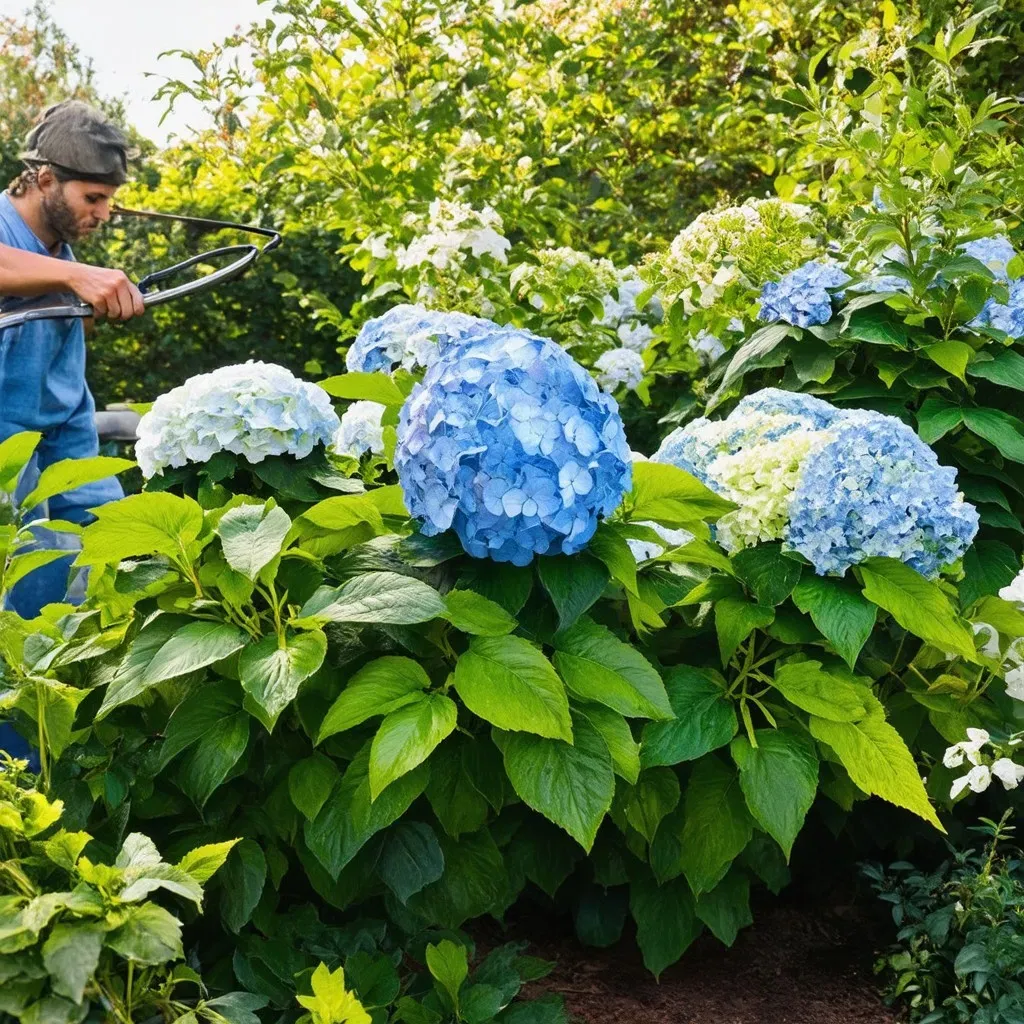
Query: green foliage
(957, 956)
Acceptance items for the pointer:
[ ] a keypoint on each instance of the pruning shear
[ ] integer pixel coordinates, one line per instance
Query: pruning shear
(14, 313)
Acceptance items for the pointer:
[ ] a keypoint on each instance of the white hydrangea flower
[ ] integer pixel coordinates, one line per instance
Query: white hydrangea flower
(634, 337)
(761, 479)
(619, 366)
(252, 409)
(969, 748)
(978, 779)
(454, 228)
(1008, 772)
(360, 430)
(1014, 592)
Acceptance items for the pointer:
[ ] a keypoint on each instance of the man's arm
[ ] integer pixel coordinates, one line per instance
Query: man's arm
(109, 292)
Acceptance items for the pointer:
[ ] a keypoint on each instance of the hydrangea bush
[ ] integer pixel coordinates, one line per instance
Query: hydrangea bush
(537, 657)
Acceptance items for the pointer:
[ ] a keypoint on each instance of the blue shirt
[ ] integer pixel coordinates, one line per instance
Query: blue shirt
(42, 383)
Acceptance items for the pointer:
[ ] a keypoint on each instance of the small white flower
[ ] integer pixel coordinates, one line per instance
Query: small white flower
(1015, 683)
(978, 779)
(958, 907)
(1008, 772)
(954, 756)
(1015, 591)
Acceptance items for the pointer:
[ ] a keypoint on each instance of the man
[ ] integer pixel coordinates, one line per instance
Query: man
(75, 161)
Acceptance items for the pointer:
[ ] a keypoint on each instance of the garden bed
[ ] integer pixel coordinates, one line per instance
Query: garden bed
(800, 963)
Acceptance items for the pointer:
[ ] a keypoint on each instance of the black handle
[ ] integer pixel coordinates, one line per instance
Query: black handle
(247, 255)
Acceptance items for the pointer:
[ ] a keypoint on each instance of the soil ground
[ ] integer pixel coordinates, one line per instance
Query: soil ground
(798, 964)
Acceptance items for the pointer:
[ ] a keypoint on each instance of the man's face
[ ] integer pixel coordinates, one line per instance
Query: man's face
(74, 209)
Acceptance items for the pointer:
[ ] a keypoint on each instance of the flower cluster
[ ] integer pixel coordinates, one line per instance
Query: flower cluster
(561, 274)
(619, 366)
(995, 252)
(622, 311)
(454, 229)
(707, 346)
(512, 444)
(360, 430)
(406, 335)
(980, 776)
(744, 245)
(253, 409)
(802, 297)
(835, 486)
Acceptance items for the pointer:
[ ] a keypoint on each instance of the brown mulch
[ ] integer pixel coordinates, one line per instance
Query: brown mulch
(795, 965)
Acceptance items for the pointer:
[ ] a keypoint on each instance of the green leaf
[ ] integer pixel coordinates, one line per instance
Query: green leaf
(819, 692)
(69, 474)
(471, 613)
(572, 786)
(1005, 368)
(456, 802)
(243, 878)
(843, 616)
(1000, 429)
(597, 666)
(877, 760)
(665, 921)
(129, 679)
(271, 674)
(149, 935)
(193, 647)
(378, 688)
(15, 454)
(71, 955)
(378, 598)
(410, 859)
(705, 720)
(877, 325)
(717, 825)
(142, 524)
(989, 565)
(615, 730)
(448, 963)
(369, 387)
(768, 573)
(726, 909)
(668, 495)
(331, 1002)
(349, 817)
(952, 356)
(757, 350)
(251, 537)
(936, 418)
(613, 549)
(735, 620)
(407, 737)
(204, 862)
(310, 782)
(655, 795)
(573, 584)
(344, 511)
(779, 780)
(474, 882)
(207, 764)
(917, 604)
(509, 683)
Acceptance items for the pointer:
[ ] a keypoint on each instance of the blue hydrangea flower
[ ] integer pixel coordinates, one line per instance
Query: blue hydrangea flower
(995, 252)
(877, 489)
(407, 335)
(511, 443)
(801, 297)
(775, 401)
(1008, 316)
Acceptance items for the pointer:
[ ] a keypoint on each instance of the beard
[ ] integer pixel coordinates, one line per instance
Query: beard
(60, 218)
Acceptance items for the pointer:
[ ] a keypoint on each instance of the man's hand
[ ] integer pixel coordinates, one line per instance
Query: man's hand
(109, 292)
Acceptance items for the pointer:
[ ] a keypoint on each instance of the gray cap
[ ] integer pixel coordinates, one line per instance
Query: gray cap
(77, 139)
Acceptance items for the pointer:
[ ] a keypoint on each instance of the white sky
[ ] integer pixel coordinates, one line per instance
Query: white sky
(124, 38)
